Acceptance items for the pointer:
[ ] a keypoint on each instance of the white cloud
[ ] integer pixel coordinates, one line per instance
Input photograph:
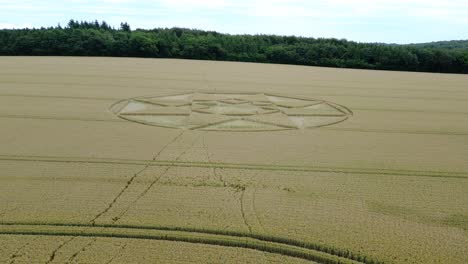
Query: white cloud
(194, 4)
(394, 20)
(12, 26)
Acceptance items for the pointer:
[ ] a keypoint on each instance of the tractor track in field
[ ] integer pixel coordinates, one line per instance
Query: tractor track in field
(119, 252)
(60, 118)
(60, 97)
(243, 202)
(7, 211)
(57, 249)
(322, 82)
(81, 250)
(129, 182)
(188, 148)
(225, 184)
(141, 195)
(217, 175)
(220, 165)
(156, 179)
(168, 144)
(255, 212)
(324, 127)
(242, 210)
(111, 204)
(393, 131)
(396, 110)
(254, 205)
(18, 251)
(263, 243)
(242, 189)
(214, 83)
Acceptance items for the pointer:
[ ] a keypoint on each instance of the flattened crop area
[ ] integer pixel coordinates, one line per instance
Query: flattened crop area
(231, 112)
(213, 162)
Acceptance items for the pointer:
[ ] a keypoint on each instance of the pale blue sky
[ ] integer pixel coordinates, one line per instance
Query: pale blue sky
(391, 21)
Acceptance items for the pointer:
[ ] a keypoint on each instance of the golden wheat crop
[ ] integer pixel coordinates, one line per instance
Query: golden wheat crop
(81, 181)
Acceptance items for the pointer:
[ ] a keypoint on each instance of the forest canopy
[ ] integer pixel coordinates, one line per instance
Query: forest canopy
(99, 39)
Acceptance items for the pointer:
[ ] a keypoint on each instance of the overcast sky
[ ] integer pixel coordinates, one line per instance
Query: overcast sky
(391, 21)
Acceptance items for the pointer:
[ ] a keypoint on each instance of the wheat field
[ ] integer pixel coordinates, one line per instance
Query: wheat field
(122, 160)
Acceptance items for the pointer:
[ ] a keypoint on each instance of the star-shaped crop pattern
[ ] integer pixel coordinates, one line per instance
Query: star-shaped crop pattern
(231, 111)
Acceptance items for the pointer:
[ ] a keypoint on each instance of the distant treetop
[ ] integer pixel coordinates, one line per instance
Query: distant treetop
(83, 38)
(124, 26)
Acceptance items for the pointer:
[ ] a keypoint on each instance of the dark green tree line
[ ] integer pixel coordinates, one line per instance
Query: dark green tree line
(99, 39)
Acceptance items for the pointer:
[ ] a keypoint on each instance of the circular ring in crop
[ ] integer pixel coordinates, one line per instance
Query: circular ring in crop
(214, 111)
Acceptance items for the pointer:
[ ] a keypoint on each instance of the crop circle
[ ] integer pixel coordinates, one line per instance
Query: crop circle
(214, 111)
